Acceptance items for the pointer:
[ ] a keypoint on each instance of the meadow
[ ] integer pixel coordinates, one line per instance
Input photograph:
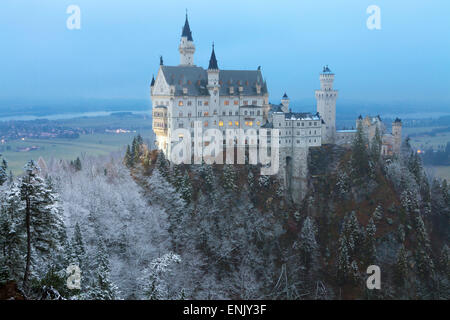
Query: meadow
(68, 149)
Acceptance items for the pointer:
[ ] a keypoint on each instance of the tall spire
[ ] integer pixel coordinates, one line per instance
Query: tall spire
(187, 30)
(213, 60)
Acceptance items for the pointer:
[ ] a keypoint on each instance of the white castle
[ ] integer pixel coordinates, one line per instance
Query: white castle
(238, 99)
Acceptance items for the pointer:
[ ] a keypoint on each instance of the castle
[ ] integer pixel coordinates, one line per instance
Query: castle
(239, 99)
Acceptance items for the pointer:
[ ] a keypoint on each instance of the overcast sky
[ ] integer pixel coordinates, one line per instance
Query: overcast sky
(117, 49)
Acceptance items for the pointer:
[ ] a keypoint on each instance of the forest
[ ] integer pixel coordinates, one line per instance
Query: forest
(138, 227)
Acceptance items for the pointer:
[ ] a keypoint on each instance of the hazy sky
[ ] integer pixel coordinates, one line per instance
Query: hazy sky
(117, 49)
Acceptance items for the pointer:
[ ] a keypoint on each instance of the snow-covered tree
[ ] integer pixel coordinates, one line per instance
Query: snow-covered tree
(42, 215)
(401, 267)
(307, 242)
(228, 177)
(12, 234)
(425, 264)
(102, 288)
(343, 260)
(369, 242)
(157, 277)
(3, 170)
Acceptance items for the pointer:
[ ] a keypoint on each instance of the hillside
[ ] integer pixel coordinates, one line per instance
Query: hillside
(141, 228)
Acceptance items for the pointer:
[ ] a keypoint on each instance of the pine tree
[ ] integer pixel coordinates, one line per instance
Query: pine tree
(401, 267)
(444, 261)
(375, 147)
(128, 159)
(155, 283)
(369, 243)
(78, 251)
(424, 260)
(228, 178)
(102, 288)
(162, 164)
(42, 217)
(360, 156)
(77, 164)
(186, 188)
(352, 231)
(3, 170)
(12, 235)
(343, 260)
(307, 242)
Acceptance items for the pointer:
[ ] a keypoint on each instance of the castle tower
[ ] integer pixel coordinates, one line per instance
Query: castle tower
(187, 47)
(213, 83)
(285, 103)
(326, 105)
(397, 133)
(213, 71)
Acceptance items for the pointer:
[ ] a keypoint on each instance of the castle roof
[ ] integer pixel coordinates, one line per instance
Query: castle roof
(213, 61)
(187, 30)
(195, 79)
(301, 116)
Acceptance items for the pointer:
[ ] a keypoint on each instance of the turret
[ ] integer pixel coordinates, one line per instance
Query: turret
(187, 47)
(326, 105)
(285, 103)
(397, 133)
(213, 70)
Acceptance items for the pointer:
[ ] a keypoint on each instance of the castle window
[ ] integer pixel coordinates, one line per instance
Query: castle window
(245, 102)
(215, 112)
(189, 103)
(189, 114)
(310, 123)
(206, 123)
(236, 123)
(180, 103)
(206, 113)
(223, 113)
(226, 102)
(303, 124)
(220, 123)
(199, 103)
(206, 103)
(315, 123)
(236, 102)
(180, 125)
(236, 113)
(180, 114)
(230, 113)
(255, 102)
(258, 123)
(230, 123)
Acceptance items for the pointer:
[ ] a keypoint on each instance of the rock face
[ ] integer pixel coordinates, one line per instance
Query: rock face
(294, 172)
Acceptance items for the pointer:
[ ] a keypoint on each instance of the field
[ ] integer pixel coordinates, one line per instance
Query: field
(425, 141)
(68, 149)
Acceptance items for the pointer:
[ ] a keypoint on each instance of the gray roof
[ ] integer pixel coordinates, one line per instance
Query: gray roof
(267, 125)
(195, 79)
(301, 116)
(276, 108)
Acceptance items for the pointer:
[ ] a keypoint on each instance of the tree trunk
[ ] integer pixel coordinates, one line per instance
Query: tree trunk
(27, 267)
